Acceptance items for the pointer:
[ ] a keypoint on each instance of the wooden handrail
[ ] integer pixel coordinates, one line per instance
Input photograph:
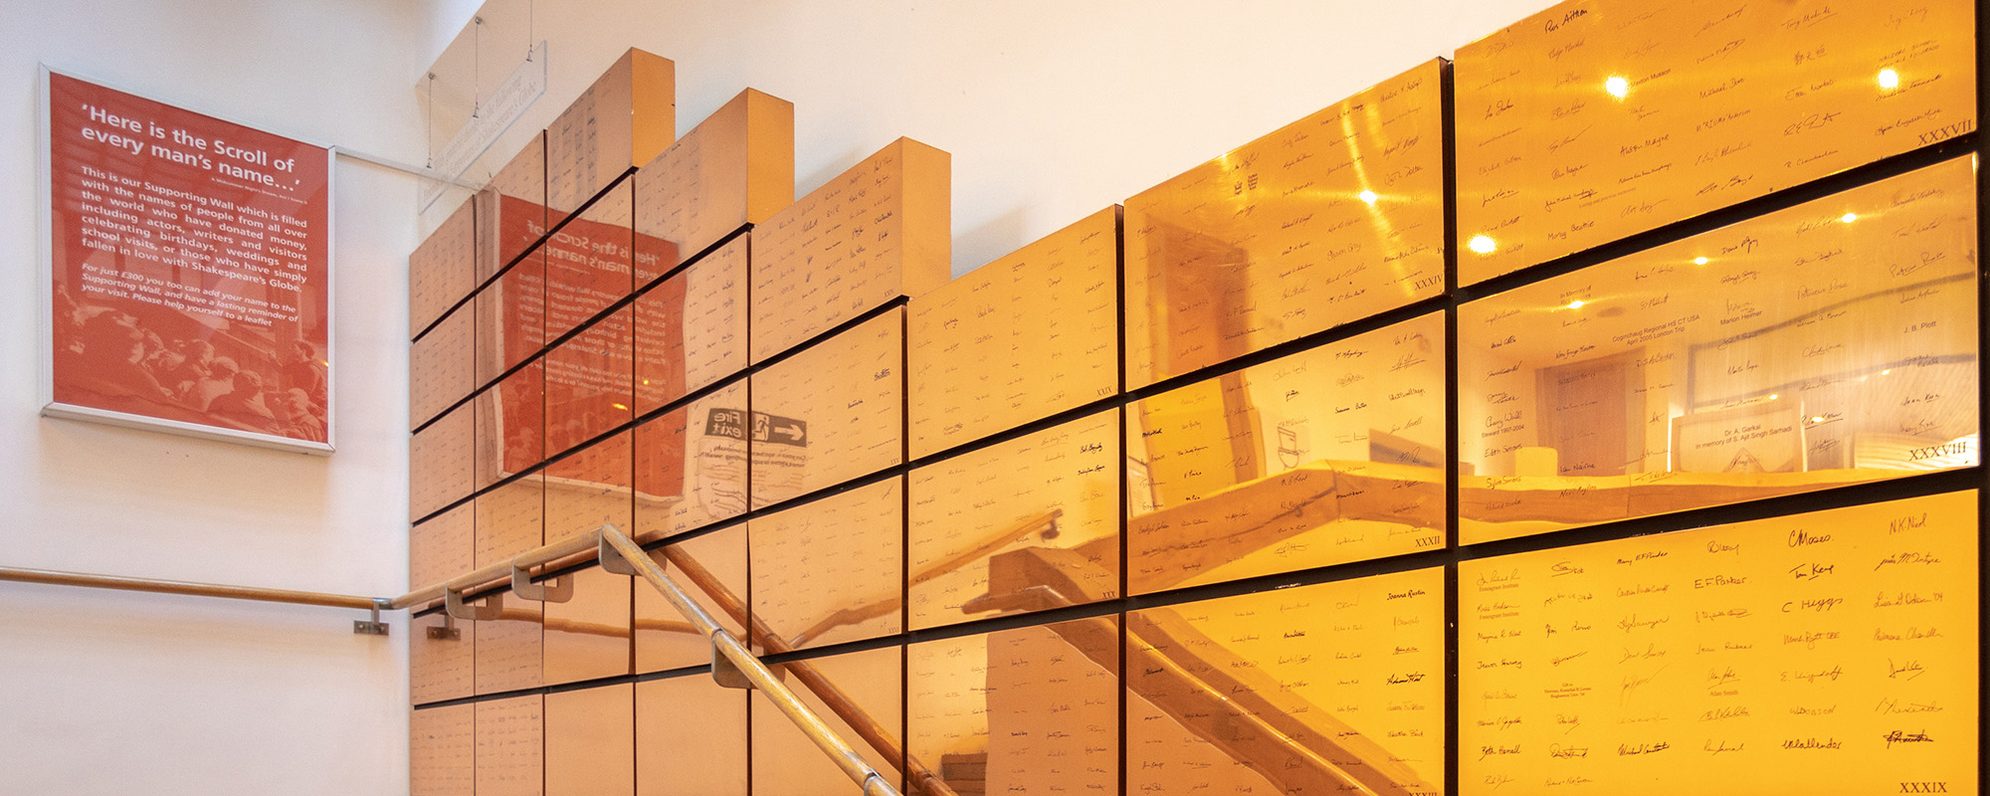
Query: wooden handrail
(256, 593)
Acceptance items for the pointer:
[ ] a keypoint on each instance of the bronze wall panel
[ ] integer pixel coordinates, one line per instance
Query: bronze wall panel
(1829, 652)
(441, 271)
(831, 570)
(590, 383)
(712, 568)
(591, 741)
(1834, 342)
(511, 759)
(991, 531)
(441, 668)
(1599, 119)
(871, 683)
(691, 328)
(511, 317)
(511, 424)
(442, 547)
(873, 233)
(590, 261)
(442, 744)
(509, 649)
(1022, 338)
(588, 636)
(1329, 455)
(690, 738)
(442, 366)
(831, 413)
(736, 167)
(1029, 710)
(1329, 688)
(624, 119)
(1331, 219)
(511, 209)
(511, 520)
(691, 465)
(440, 463)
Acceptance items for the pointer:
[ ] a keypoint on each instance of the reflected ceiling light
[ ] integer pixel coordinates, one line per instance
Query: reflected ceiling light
(1774, 396)
(1888, 79)
(1617, 86)
(1816, 418)
(1369, 196)
(620, 407)
(1481, 244)
(1887, 372)
(1577, 304)
(1849, 217)
(1701, 260)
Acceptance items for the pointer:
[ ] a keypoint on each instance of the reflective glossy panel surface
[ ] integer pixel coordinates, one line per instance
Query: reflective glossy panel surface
(622, 120)
(511, 211)
(511, 519)
(591, 741)
(588, 636)
(831, 413)
(736, 167)
(1330, 219)
(1830, 343)
(1329, 455)
(440, 270)
(691, 329)
(588, 383)
(873, 233)
(690, 738)
(1337, 687)
(442, 366)
(1019, 526)
(440, 463)
(442, 656)
(1597, 119)
(589, 261)
(1030, 710)
(442, 547)
(511, 427)
(1019, 339)
(712, 569)
(508, 648)
(442, 743)
(1830, 652)
(510, 747)
(691, 465)
(511, 317)
(831, 570)
(590, 488)
(867, 688)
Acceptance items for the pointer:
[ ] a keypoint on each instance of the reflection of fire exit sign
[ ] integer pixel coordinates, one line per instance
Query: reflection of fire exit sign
(766, 428)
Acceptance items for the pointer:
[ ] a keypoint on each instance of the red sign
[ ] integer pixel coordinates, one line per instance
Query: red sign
(190, 270)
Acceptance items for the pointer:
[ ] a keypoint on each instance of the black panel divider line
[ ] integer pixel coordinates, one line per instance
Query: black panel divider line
(1745, 210)
(636, 292)
(1119, 379)
(1454, 480)
(1982, 409)
(905, 548)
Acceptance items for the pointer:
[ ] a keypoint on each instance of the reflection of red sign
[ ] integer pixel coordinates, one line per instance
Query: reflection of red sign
(190, 270)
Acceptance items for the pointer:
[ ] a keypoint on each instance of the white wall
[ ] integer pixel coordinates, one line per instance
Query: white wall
(104, 692)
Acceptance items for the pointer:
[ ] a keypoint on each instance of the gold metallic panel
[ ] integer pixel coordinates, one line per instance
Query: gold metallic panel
(869, 687)
(511, 424)
(442, 745)
(690, 738)
(442, 547)
(1329, 455)
(441, 271)
(440, 463)
(511, 520)
(876, 232)
(442, 658)
(589, 261)
(1597, 119)
(1831, 343)
(511, 209)
(511, 317)
(1001, 529)
(691, 465)
(591, 741)
(590, 488)
(831, 570)
(442, 366)
(1331, 688)
(831, 413)
(736, 167)
(589, 383)
(1330, 219)
(624, 119)
(712, 568)
(511, 747)
(509, 649)
(1019, 339)
(1030, 710)
(1834, 652)
(691, 328)
(588, 636)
